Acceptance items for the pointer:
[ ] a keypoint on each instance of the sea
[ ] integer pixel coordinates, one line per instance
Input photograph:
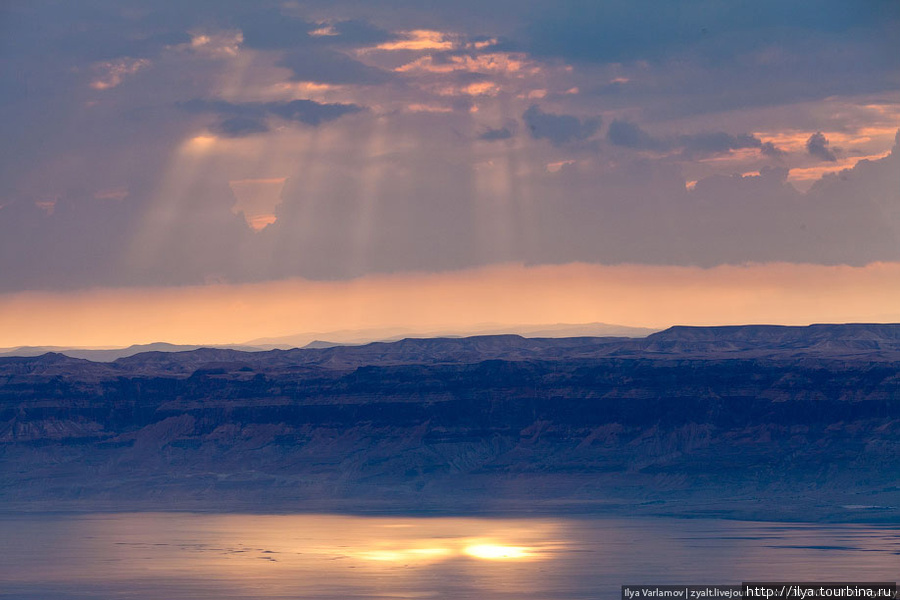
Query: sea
(200, 556)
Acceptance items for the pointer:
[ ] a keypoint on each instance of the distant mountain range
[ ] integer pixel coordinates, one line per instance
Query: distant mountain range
(335, 338)
(111, 354)
(756, 421)
(365, 336)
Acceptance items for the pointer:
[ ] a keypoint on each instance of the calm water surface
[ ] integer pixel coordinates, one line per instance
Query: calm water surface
(143, 556)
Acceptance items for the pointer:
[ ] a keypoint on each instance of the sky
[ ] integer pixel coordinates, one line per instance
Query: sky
(218, 171)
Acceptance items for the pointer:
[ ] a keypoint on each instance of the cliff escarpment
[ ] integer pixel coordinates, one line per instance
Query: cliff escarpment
(754, 421)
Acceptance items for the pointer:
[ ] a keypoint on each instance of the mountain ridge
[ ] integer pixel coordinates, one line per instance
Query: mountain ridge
(754, 422)
(877, 341)
(334, 338)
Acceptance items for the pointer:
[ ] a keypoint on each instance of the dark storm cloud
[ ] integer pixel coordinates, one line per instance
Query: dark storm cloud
(626, 30)
(240, 119)
(559, 129)
(323, 65)
(718, 142)
(66, 32)
(309, 112)
(359, 33)
(769, 149)
(310, 55)
(276, 29)
(703, 56)
(273, 30)
(630, 135)
(493, 135)
(817, 145)
(241, 126)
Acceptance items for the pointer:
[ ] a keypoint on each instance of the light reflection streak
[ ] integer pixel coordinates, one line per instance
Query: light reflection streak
(470, 548)
(418, 555)
(495, 552)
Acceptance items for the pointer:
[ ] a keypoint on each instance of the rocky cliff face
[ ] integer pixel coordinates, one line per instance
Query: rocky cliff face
(755, 421)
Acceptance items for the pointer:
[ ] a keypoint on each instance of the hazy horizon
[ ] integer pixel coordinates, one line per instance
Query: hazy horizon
(646, 296)
(365, 336)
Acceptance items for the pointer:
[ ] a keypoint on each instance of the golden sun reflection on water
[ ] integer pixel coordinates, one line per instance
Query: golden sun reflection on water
(412, 555)
(430, 541)
(495, 552)
(463, 548)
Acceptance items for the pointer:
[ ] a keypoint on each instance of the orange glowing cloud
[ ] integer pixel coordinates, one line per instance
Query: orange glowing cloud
(420, 39)
(555, 167)
(324, 31)
(811, 174)
(119, 193)
(257, 200)
(788, 141)
(428, 108)
(112, 73)
(503, 295)
(496, 62)
(860, 141)
(501, 67)
(735, 155)
(220, 44)
(48, 206)
(298, 90)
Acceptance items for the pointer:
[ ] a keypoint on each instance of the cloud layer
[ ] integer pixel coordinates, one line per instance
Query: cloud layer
(139, 138)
